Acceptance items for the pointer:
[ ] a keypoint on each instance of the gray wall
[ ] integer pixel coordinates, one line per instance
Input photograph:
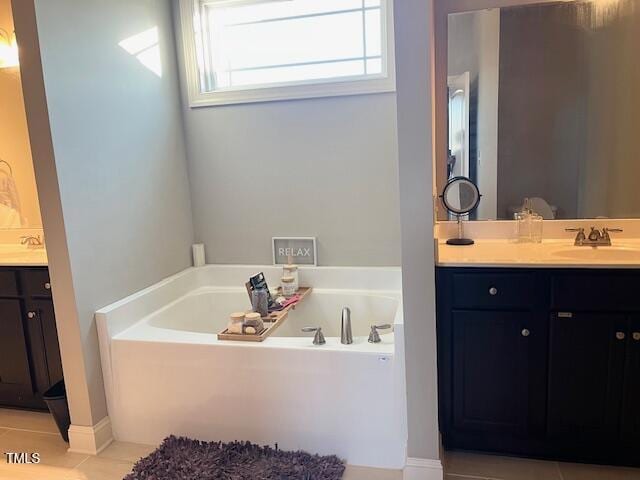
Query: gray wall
(119, 157)
(414, 60)
(322, 167)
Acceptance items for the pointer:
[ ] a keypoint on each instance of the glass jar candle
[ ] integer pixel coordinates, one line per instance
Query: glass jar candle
(288, 286)
(291, 271)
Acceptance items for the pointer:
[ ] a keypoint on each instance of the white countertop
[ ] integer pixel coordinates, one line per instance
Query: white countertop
(556, 253)
(20, 256)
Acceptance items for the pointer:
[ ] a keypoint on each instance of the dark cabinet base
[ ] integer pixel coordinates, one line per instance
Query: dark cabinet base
(528, 366)
(29, 352)
(543, 449)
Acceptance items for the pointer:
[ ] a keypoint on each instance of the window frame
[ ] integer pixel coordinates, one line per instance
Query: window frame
(332, 87)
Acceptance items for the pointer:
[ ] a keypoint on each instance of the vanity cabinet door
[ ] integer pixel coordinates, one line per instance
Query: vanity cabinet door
(586, 370)
(15, 375)
(43, 336)
(631, 403)
(491, 371)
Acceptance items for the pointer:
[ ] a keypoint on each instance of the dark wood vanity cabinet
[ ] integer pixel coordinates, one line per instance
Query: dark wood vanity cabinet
(490, 345)
(540, 362)
(15, 373)
(29, 352)
(631, 391)
(586, 373)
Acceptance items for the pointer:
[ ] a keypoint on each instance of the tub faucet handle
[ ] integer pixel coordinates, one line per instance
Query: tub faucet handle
(374, 336)
(318, 338)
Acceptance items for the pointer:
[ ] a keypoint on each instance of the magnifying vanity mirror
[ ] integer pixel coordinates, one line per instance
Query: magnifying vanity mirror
(460, 197)
(541, 101)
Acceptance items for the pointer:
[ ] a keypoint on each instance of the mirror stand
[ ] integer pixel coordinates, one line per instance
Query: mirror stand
(460, 240)
(460, 197)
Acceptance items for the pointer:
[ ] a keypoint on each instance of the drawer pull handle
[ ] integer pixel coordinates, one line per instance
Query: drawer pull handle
(636, 336)
(31, 315)
(620, 335)
(47, 286)
(493, 291)
(525, 332)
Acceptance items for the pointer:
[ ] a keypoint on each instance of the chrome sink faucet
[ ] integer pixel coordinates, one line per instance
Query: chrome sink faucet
(596, 237)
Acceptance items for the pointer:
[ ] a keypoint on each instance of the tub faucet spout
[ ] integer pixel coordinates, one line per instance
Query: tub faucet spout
(346, 337)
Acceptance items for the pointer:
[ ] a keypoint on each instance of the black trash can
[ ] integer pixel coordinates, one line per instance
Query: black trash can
(56, 400)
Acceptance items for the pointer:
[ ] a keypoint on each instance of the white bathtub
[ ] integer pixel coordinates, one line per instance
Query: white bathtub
(166, 372)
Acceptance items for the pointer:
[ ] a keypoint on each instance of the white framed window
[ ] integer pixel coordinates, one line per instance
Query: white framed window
(242, 51)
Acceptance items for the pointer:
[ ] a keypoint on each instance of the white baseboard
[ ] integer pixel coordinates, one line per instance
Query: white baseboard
(423, 469)
(90, 440)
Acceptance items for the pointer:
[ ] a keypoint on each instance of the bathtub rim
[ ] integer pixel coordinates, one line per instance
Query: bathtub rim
(143, 330)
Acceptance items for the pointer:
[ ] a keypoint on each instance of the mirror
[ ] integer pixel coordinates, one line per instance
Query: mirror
(544, 103)
(460, 197)
(19, 206)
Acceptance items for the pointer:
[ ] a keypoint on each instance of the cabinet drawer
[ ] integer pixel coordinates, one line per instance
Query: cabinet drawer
(36, 282)
(8, 283)
(595, 292)
(493, 290)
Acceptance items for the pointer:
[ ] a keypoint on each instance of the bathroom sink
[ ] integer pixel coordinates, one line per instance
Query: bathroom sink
(613, 254)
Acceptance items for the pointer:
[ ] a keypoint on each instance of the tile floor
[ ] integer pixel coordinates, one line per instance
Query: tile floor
(22, 431)
(36, 432)
(472, 466)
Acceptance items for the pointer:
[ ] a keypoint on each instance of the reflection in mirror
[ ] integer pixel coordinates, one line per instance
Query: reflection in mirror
(19, 206)
(543, 103)
(10, 210)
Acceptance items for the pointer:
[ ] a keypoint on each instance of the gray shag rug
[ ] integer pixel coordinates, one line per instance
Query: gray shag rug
(186, 459)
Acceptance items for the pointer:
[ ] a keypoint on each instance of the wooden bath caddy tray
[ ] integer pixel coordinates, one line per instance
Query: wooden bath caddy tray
(272, 322)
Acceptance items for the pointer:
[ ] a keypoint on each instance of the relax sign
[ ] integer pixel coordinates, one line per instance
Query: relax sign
(297, 250)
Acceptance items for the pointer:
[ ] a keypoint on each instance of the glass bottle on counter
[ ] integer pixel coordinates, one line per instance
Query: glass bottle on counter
(523, 227)
(536, 227)
(529, 224)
